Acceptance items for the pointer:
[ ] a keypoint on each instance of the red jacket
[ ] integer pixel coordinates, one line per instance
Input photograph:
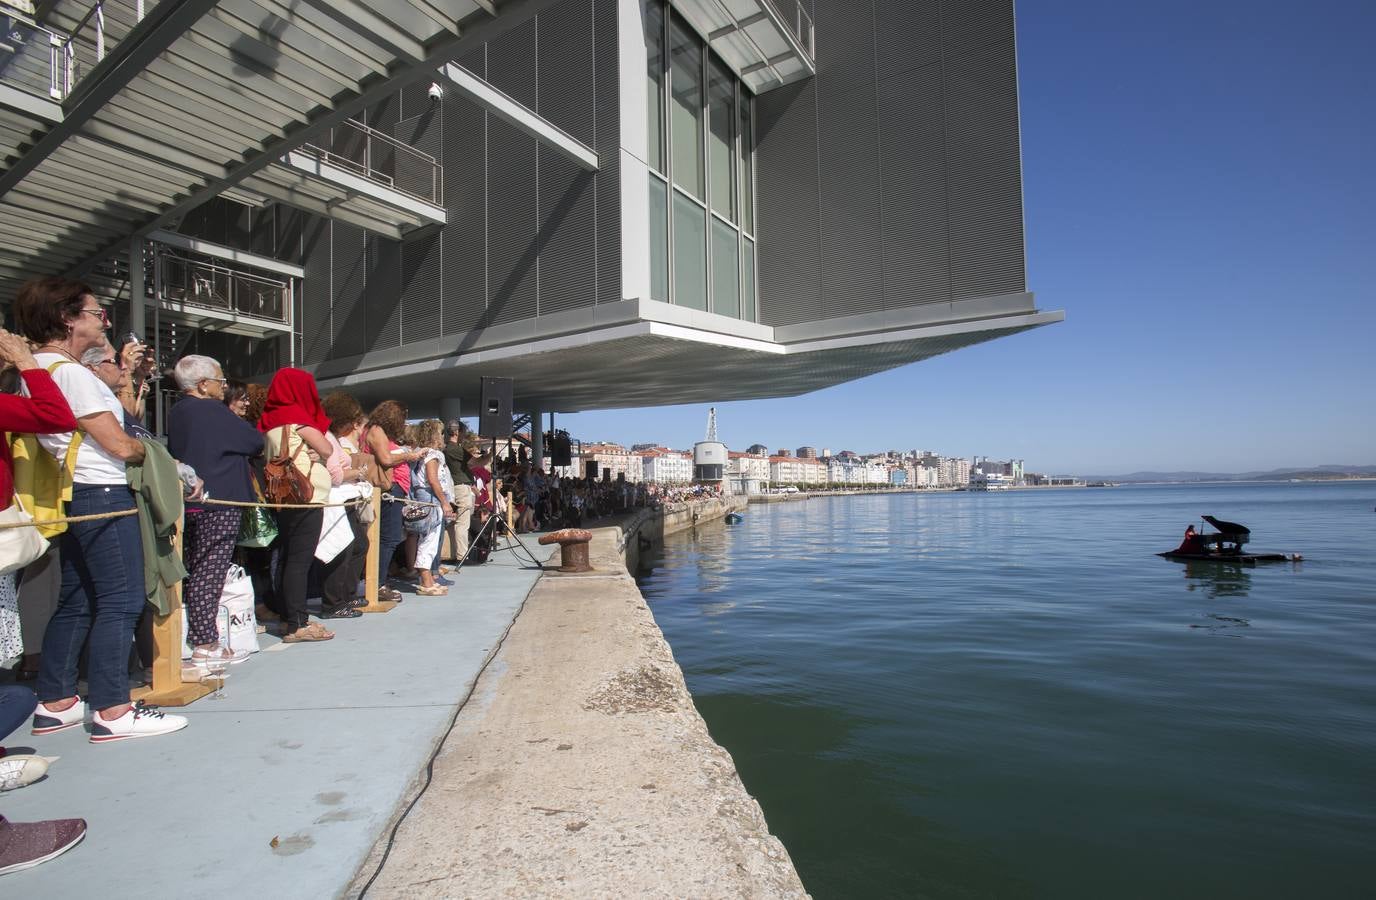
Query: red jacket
(44, 411)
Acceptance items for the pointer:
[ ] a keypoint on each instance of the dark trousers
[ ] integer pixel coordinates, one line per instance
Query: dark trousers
(102, 596)
(299, 532)
(339, 587)
(17, 703)
(389, 532)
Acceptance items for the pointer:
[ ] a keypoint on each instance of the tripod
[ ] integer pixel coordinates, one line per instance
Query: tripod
(497, 526)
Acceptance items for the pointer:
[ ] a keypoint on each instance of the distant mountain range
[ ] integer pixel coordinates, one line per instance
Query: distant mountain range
(1315, 473)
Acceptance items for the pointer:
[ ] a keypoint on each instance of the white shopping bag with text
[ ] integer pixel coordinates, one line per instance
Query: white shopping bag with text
(237, 623)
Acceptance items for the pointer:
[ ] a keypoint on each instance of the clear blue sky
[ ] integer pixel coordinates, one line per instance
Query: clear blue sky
(1200, 184)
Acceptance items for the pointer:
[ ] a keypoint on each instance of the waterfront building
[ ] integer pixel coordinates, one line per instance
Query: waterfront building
(613, 461)
(748, 465)
(666, 466)
(806, 453)
(615, 203)
(785, 469)
(758, 450)
(955, 471)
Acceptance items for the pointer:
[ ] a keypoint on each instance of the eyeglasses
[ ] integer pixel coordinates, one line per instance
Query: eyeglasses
(98, 311)
(223, 381)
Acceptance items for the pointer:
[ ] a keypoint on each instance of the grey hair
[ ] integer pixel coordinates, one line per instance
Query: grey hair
(192, 370)
(93, 356)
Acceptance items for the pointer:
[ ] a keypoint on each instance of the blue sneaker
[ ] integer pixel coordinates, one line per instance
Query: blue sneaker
(447, 582)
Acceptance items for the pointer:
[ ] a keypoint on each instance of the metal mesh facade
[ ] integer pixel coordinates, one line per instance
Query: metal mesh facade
(527, 232)
(893, 178)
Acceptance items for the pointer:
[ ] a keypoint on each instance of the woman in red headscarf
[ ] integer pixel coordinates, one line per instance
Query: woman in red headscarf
(293, 417)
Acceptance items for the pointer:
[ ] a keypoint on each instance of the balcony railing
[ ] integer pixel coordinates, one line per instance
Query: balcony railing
(378, 157)
(796, 20)
(31, 57)
(43, 61)
(191, 280)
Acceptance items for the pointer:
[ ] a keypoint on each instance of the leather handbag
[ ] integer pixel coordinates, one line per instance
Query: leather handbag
(19, 545)
(378, 477)
(285, 482)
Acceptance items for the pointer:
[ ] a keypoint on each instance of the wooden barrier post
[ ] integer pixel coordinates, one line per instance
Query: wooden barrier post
(372, 564)
(168, 689)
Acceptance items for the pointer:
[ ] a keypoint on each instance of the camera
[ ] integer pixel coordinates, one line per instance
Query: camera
(436, 92)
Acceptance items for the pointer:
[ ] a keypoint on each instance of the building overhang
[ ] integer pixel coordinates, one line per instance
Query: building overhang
(638, 353)
(766, 48)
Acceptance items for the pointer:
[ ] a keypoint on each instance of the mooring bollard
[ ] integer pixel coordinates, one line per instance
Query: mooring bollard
(573, 548)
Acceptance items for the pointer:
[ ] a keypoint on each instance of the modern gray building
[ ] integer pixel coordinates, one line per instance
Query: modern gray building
(615, 203)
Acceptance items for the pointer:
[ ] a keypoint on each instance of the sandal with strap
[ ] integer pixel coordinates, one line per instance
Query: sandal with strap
(434, 590)
(307, 634)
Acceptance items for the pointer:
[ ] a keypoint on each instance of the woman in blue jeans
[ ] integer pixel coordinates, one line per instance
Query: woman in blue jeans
(102, 590)
(382, 438)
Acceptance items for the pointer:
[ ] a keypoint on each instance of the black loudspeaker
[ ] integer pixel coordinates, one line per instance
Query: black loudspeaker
(494, 409)
(590, 467)
(561, 450)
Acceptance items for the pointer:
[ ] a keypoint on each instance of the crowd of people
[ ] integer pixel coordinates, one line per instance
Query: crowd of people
(109, 493)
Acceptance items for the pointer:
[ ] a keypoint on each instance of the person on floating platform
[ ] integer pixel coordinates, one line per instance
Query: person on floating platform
(1192, 542)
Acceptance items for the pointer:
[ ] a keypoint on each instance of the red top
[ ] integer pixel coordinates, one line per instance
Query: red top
(44, 411)
(293, 399)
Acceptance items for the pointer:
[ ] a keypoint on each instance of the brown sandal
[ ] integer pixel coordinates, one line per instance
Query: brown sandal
(308, 634)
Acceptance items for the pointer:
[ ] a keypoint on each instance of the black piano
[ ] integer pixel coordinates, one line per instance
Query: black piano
(1225, 545)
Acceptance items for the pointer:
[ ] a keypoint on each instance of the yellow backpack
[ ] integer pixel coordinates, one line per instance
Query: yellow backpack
(42, 486)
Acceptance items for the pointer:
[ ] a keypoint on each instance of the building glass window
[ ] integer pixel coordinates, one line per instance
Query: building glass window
(685, 115)
(726, 270)
(654, 85)
(659, 239)
(721, 139)
(701, 190)
(690, 253)
(748, 280)
(747, 165)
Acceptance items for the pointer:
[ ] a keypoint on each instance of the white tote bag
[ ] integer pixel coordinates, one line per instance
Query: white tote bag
(237, 623)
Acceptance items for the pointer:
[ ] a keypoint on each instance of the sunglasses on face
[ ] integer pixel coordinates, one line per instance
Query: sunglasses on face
(99, 311)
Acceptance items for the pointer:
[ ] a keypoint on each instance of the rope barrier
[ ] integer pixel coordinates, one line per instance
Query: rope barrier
(388, 498)
(91, 518)
(239, 503)
(266, 505)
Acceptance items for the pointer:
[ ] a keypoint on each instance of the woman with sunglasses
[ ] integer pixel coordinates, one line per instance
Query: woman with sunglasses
(102, 592)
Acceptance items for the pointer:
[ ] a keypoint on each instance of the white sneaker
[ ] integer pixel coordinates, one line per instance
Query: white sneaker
(24, 769)
(139, 721)
(201, 657)
(46, 721)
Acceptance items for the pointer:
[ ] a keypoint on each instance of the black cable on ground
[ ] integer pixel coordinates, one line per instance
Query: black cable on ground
(430, 763)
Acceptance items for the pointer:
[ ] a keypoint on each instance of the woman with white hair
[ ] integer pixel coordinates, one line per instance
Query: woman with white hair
(207, 435)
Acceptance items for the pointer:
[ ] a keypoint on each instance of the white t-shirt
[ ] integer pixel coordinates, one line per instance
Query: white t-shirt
(86, 394)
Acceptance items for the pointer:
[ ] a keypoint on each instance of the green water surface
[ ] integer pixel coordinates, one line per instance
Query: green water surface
(1009, 695)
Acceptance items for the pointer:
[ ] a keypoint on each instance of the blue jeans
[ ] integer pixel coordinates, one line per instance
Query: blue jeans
(17, 703)
(102, 596)
(389, 532)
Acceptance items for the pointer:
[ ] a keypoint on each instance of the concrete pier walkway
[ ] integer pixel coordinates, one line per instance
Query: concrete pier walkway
(581, 768)
(286, 784)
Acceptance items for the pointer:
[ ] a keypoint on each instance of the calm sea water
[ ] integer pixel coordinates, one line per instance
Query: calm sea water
(1008, 695)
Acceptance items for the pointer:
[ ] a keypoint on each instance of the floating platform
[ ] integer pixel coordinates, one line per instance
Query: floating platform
(1244, 558)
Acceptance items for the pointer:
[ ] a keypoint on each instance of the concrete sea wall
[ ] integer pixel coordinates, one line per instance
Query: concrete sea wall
(580, 766)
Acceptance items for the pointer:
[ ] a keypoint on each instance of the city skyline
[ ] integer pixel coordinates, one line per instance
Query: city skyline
(1205, 217)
